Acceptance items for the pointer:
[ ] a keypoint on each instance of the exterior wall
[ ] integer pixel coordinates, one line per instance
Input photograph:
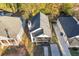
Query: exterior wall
(37, 32)
(64, 35)
(19, 36)
(34, 33)
(16, 40)
(45, 50)
(42, 39)
(72, 40)
(31, 37)
(8, 41)
(21, 32)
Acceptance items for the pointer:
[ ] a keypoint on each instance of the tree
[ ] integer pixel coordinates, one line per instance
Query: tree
(5, 7)
(67, 8)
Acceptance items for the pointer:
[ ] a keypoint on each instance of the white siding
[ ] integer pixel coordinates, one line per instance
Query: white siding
(61, 29)
(54, 50)
(19, 36)
(45, 50)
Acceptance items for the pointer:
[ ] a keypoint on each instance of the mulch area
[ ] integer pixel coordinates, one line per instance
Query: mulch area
(16, 51)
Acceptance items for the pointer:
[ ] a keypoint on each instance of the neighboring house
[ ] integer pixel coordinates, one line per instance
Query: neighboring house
(5, 13)
(11, 30)
(69, 27)
(40, 33)
(39, 28)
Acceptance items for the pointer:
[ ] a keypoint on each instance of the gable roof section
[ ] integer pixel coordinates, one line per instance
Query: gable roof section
(40, 20)
(69, 25)
(74, 43)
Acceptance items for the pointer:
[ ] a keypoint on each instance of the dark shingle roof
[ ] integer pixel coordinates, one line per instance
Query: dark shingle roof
(69, 25)
(40, 20)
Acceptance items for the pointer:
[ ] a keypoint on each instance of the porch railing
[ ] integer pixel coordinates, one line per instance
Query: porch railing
(4, 41)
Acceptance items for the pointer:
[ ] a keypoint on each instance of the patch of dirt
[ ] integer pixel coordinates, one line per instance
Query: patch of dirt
(28, 44)
(16, 51)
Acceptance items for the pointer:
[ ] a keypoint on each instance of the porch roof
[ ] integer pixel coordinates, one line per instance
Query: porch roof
(42, 35)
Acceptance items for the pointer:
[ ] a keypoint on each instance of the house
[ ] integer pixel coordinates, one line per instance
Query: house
(39, 28)
(69, 27)
(40, 33)
(11, 30)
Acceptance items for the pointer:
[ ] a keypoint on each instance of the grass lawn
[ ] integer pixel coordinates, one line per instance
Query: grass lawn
(74, 52)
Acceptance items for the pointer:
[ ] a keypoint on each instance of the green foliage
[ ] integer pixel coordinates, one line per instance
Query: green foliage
(49, 8)
(8, 7)
(74, 52)
(67, 8)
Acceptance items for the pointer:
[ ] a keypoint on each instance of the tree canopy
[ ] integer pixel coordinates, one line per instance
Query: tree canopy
(67, 8)
(47, 8)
